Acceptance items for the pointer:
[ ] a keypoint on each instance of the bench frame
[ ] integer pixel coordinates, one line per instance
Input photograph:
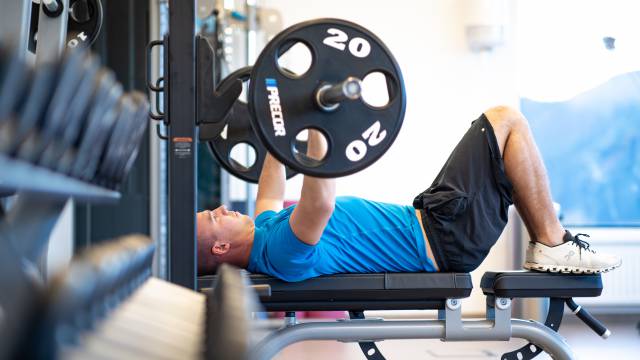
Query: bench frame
(428, 291)
(497, 326)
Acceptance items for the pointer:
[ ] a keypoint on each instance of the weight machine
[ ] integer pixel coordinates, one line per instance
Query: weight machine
(355, 292)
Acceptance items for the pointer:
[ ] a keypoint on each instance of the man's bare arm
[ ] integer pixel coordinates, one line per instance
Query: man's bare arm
(271, 186)
(317, 199)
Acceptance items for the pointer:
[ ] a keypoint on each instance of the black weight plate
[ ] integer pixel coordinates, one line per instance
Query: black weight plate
(239, 130)
(85, 22)
(98, 126)
(339, 49)
(140, 123)
(31, 109)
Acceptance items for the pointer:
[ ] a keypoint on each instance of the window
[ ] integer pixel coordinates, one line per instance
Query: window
(581, 93)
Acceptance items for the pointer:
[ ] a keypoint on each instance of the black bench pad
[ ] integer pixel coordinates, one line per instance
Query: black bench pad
(538, 284)
(384, 291)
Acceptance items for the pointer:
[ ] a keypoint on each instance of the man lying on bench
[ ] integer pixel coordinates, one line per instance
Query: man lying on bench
(450, 228)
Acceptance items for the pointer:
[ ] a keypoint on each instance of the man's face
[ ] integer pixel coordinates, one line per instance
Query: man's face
(223, 224)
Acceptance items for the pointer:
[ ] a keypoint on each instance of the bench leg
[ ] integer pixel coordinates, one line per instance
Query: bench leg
(346, 331)
(550, 341)
(553, 321)
(369, 348)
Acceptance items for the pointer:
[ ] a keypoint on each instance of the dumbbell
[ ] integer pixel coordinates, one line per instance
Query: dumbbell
(230, 305)
(99, 124)
(125, 129)
(150, 319)
(15, 76)
(136, 131)
(96, 118)
(160, 321)
(83, 296)
(75, 111)
(30, 111)
(51, 125)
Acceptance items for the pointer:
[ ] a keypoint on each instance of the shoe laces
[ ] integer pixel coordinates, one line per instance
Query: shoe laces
(581, 244)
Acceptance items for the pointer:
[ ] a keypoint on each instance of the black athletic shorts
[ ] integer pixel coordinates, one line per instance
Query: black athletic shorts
(465, 209)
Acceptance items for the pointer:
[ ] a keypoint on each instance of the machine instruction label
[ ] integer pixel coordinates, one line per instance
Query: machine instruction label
(182, 147)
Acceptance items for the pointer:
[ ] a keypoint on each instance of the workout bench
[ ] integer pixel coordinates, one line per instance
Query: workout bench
(423, 291)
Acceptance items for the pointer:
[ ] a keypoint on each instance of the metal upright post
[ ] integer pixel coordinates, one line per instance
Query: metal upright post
(183, 145)
(252, 54)
(52, 34)
(51, 40)
(158, 155)
(15, 19)
(221, 26)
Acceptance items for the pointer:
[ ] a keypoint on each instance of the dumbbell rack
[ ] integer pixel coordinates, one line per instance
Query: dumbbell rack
(24, 235)
(41, 197)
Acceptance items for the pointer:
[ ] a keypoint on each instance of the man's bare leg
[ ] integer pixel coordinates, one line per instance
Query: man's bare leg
(525, 170)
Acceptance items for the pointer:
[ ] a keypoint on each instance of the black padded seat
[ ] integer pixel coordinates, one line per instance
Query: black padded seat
(383, 291)
(524, 283)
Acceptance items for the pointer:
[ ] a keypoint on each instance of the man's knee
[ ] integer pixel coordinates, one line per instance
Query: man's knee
(505, 118)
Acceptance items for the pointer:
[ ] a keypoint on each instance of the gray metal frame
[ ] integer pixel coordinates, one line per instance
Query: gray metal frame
(50, 44)
(158, 26)
(498, 326)
(52, 34)
(15, 18)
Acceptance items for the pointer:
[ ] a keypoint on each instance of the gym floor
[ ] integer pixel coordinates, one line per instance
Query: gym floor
(624, 343)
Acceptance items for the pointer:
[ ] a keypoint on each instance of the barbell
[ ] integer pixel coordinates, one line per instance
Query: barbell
(326, 96)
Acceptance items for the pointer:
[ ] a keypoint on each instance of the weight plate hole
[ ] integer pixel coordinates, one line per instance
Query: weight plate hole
(242, 156)
(378, 89)
(244, 94)
(294, 59)
(223, 133)
(310, 157)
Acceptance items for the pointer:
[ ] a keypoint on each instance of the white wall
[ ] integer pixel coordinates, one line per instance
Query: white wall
(447, 87)
(560, 50)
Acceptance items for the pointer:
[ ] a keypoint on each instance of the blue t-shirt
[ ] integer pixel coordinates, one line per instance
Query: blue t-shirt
(362, 236)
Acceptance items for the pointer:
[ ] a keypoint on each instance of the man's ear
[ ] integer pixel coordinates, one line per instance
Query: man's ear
(220, 248)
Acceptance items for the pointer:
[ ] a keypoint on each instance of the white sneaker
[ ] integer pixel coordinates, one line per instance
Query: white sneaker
(573, 256)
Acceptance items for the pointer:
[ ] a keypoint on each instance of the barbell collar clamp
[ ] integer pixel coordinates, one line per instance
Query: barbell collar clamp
(329, 97)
